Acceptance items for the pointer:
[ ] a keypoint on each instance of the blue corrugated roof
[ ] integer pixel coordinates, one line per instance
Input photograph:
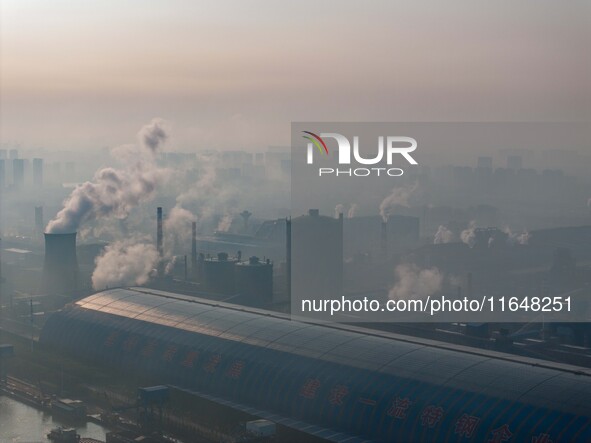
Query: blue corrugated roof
(360, 384)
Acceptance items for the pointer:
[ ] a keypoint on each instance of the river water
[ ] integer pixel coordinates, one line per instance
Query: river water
(20, 423)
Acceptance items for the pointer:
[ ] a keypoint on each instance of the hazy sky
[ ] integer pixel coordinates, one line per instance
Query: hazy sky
(234, 74)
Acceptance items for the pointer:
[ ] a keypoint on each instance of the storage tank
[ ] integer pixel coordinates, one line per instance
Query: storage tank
(60, 269)
(254, 279)
(218, 273)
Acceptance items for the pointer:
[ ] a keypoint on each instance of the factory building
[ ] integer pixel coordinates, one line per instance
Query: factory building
(316, 256)
(254, 279)
(218, 273)
(337, 382)
(378, 238)
(60, 267)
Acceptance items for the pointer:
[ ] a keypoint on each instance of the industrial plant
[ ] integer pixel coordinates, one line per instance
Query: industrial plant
(182, 325)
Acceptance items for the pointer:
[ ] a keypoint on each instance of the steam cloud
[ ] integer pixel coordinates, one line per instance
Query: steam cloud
(177, 229)
(514, 238)
(211, 195)
(443, 235)
(468, 235)
(153, 135)
(225, 223)
(350, 213)
(125, 263)
(398, 197)
(114, 192)
(414, 282)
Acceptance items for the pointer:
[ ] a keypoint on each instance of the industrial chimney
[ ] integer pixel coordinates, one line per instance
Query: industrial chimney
(159, 231)
(194, 248)
(60, 269)
(288, 257)
(159, 244)
(384, 240)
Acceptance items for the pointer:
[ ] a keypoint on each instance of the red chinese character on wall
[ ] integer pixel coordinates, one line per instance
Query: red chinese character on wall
(399, 407)
(111, 339)
(169, 353)
(466, 425)
(542, 438)
(337, 395)
(130, 343)
(149, 348)
(500, 435)
(190, 359)
(212, 363)
(309, 388)
(431, 415)
(235, 371)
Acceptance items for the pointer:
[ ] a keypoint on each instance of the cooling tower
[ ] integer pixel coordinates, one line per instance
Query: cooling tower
(60, 270)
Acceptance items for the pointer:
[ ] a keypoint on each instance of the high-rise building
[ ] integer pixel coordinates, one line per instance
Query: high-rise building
(38, 171)
(18, 173)
(2, 173)
(39, 221)
(3, 154)
(13, 154)
(484, 163)
(514, 162)
(70, 171)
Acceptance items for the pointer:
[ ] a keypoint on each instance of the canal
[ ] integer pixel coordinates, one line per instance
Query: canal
(20, 423)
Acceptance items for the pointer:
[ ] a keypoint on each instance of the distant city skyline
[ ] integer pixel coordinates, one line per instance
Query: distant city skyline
(226, 74)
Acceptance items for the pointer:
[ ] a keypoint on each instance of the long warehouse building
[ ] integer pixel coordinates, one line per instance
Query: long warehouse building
(337, 382)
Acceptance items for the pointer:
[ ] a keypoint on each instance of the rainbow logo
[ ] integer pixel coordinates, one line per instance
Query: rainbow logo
(318, 142)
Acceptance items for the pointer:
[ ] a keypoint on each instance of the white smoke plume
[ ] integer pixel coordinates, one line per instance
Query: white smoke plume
(169, 268)
(125, 263)
(153, 135)
(225, 223)
(414, 282)
(211, 195)
(338, 210)
(523, 238)
(352, 211)
(468, 235)
(398, 197)
(443, 235)
(177, 229)
(115, 192)
(515, 238)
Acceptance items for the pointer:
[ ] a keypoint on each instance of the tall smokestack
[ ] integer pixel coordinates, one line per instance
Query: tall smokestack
(288, 256)
(159, 232)
(1, 278)
(60, 269)
(159, 245)
(384, 240)
(194, 248)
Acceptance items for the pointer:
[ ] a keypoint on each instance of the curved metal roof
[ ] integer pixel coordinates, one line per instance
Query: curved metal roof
(367, 365)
